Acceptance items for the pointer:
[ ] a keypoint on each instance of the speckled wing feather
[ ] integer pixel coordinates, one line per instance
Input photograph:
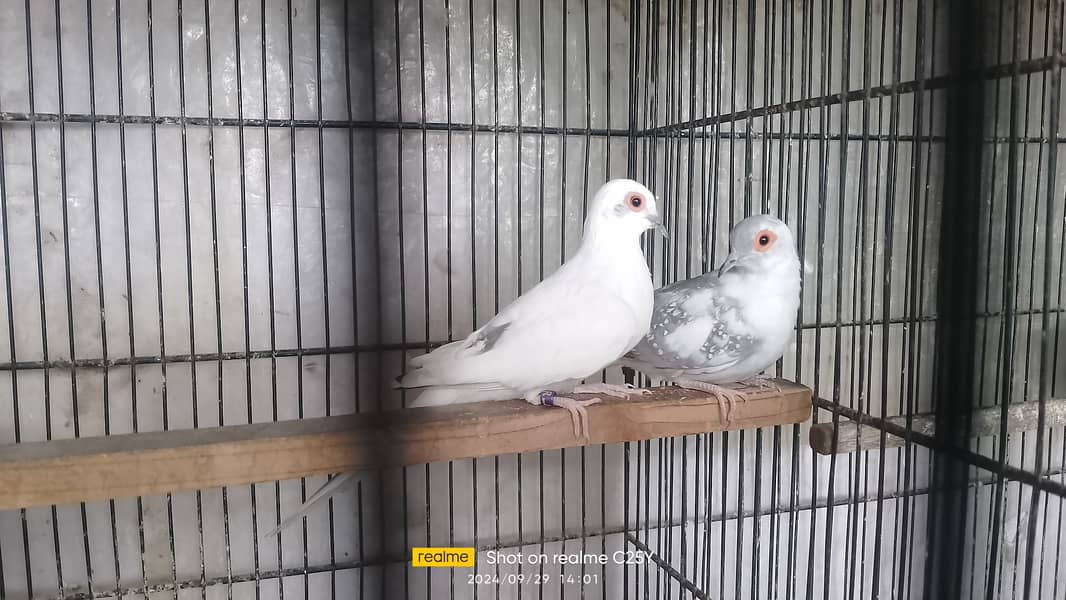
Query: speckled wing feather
(695, 329)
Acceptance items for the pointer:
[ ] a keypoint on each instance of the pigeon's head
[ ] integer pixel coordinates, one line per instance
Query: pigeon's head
(760, 243)
(625, 207)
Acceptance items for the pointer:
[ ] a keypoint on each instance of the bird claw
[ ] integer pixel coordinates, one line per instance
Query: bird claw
(727, 398)
(578, 414)
(609, 389)
(762, 381)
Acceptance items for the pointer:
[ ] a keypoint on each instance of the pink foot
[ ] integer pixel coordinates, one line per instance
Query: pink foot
(727, 398)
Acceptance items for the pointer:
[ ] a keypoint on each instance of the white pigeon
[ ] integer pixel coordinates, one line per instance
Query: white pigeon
(729, 325)
(583, 317)
(580, 319)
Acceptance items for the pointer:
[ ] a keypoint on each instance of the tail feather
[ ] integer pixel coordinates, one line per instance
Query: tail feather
(441, 396)
(331, 487)
(420, 377)
(446, 351)
(439, 367)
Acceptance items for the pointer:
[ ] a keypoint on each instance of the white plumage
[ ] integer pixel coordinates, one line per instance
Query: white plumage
(581, 318)
(577, 321)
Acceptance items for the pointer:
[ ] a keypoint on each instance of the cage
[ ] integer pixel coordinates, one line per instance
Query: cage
(228, 213)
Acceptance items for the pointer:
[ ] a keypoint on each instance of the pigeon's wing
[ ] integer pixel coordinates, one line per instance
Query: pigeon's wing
(564, 328)
(695, 329)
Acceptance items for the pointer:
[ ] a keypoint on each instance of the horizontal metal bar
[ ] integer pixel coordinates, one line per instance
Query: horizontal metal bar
(47, 117)
(665, 133)
(905, 87)
(101, 363)
(204, 357)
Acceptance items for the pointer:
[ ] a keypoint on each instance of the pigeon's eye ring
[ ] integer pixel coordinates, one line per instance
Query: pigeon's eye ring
(635, 202)
(764, 240)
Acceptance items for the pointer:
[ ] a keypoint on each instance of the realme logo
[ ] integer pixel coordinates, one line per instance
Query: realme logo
(442, 557)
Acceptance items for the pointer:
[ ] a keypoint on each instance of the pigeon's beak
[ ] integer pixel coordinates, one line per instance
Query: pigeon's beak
(730, 262)
(657, 221)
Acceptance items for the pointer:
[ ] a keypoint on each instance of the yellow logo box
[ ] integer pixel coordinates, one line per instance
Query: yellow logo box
(442, 557)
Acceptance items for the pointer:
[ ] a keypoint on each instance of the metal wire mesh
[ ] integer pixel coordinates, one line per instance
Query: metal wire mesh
(228, 212)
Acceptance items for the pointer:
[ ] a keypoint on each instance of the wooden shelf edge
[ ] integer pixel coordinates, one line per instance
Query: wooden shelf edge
(143, 464)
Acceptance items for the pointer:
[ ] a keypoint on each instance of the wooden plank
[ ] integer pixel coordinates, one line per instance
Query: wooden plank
(89, 469)
(853, 437)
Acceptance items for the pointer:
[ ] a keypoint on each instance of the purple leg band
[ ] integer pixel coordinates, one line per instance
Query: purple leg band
(547, 398)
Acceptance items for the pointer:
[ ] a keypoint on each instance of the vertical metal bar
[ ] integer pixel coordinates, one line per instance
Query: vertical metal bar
(189, 285)
(68, 293)
(991, 565)
(216, 281)
(495, 245)
(749, 101)
(16, 421)
(270, 280)
(425, 198)
(584, 211)
(106, 396)
(956, 299)
(381, 299)
(914, 295)
(298, 308)
(707, 237)
(770, 33)
(327, 364)
(861, 382)
(792, 567)
(425, 241)
(1044, 392)
(643, 468)
(631, 171)
(245, 300)
(823, 159)
(352, 211)
(769, 21)
(671, 180)
(716, 139)
(753, 17)
(163, 392)
(607, 175)
(922, 269)
(451, 335)
(1006, 349)
(402, 263)
(1057, 49)
(43, 311)
(1033, 233)
(670, 109)
(886, 293)
(135, 426)
(540, 274)
(473, 243)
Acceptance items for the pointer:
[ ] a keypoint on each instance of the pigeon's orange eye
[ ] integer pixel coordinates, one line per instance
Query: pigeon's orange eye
(763, 240)
(635, 202)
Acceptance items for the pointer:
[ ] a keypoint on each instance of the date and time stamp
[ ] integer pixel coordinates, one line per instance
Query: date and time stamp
(536, 563)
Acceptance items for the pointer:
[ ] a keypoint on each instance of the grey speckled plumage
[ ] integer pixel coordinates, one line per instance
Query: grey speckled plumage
(729, 325)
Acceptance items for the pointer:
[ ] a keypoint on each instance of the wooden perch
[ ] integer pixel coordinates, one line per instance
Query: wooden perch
(140, 464)
(852, 437)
